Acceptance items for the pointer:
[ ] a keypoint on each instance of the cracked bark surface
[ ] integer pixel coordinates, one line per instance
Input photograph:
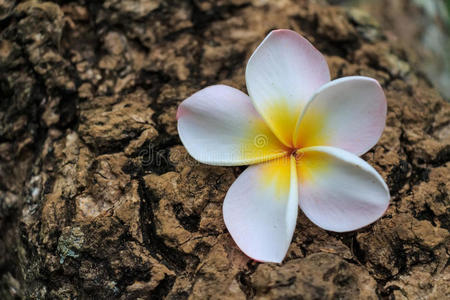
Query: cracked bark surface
(99, 199)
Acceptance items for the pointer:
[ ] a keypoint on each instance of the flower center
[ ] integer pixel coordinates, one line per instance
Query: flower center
(298, 154)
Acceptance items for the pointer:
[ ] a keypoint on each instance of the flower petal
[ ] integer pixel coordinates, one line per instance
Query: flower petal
(282, 74)
(219, 126)
(348, 113)
(260, 209)
(339, 191)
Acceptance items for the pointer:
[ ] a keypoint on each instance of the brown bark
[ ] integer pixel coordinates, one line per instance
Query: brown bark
(99, 199)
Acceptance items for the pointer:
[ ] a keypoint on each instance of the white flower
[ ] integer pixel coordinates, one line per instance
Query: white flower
(302, 135)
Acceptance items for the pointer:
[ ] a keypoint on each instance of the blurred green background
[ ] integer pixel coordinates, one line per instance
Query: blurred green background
(420, 25)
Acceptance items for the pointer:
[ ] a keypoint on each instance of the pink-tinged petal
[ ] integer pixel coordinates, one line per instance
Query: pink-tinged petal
(282, 75)
(260, 209)
(339, 191)
(347, 113)
(219, 126)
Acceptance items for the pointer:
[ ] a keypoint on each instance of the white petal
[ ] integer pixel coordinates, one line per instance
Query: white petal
(347, 113)
(338, 191)
(282, 75)
(219, 126)
(260, 209)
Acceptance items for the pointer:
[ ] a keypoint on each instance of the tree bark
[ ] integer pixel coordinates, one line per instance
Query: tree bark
(98, 198)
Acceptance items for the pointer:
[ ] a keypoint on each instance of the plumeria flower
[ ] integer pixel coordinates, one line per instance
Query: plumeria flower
(302, 135)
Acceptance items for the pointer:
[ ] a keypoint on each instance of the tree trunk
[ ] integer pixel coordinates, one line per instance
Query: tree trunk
(98, 198)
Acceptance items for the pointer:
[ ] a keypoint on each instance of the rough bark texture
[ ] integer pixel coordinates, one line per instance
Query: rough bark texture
(99, 199)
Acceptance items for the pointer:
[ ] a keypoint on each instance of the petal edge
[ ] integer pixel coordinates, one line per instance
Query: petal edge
(347, 113)
(338, 191)
(218, 125)
(260, 209)
(281, 75)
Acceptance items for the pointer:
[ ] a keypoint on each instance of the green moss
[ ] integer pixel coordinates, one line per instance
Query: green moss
(69, 244)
